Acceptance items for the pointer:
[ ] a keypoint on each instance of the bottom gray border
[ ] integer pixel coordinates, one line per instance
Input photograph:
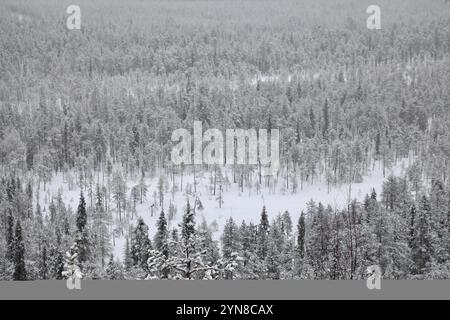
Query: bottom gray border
(226, 290)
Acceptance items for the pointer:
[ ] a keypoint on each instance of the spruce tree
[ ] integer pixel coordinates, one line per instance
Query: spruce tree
(20, 273)
(422, 250)
(56, 263)
(190, 264)
(82, 237)
(264, 223)
(247, 253)
(101, 223)
(29, 193)
(161, 233)
(188, 224)
(230, 239)
(113, 269)
(81, 214)
(10, 237)
(301, 230)
(412, 226)
(272, 262)
(140, 244)
(286, 224)
(318, 241)
(263, 231)
(72, 268)
(337, 247)
(439, 207)
(43, 264)
(373, 195)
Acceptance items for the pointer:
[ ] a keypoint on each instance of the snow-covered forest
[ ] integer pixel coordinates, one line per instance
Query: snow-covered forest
(86, 118)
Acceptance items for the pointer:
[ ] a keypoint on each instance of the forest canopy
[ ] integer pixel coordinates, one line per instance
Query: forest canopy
(93, 111)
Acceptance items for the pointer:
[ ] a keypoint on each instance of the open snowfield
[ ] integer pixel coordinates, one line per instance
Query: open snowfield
(240, 206)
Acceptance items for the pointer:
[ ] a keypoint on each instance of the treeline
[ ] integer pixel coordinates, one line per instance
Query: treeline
(407, 238)
(407, 235)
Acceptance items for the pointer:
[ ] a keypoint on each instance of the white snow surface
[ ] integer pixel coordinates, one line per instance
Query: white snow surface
(241, 206)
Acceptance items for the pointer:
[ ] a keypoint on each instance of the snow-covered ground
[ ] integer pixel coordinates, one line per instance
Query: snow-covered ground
(241, 206)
